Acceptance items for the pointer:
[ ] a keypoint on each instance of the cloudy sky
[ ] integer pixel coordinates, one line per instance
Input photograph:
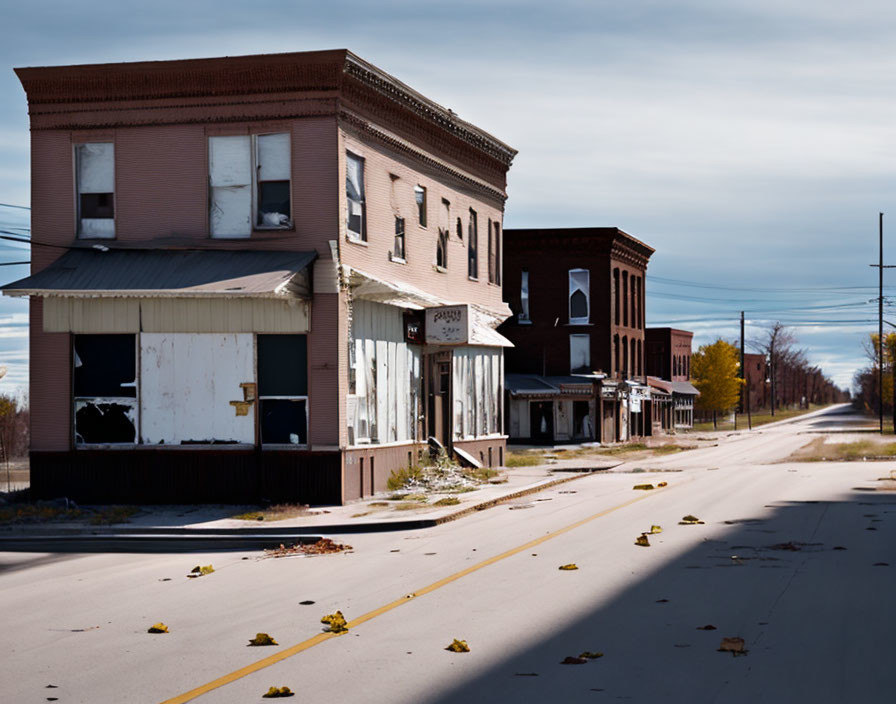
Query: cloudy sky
(750, 142)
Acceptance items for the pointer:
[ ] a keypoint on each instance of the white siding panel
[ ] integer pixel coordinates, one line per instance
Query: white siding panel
(187, 383)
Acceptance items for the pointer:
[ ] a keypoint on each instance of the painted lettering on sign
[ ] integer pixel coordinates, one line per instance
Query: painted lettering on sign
(447, 325)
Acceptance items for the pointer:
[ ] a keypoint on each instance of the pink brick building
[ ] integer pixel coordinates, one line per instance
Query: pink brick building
(257, 277)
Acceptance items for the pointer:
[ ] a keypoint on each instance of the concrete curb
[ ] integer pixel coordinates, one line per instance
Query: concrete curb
(173, 539)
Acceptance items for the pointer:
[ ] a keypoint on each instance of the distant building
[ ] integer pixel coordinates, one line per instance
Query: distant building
(258, 277)
(757, 381)
(576, 371)
(669, 369)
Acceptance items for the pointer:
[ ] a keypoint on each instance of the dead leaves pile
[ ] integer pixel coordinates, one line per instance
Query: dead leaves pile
(324, 546)
(336, 622)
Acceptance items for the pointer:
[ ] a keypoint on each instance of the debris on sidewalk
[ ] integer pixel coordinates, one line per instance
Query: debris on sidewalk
(589, 655)
(324, 546)
(735, 646)
(572, 660)
(262, 639)
(690, 520)
(200, 571)
(158, 628)
(276, 692)
(570, 566)
(336, 622)
(458, 646)
(642, 541)
(642, 487)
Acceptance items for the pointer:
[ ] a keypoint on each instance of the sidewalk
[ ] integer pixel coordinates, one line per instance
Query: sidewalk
(175, 528)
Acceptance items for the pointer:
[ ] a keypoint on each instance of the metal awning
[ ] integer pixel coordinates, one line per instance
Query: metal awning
(525, 385)
(164, 273)
(682, 388)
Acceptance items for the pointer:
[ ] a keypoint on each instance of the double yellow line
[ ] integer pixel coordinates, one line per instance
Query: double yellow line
(321, 637)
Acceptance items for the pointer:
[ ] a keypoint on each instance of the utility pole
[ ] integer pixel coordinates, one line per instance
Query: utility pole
(742, 368)
(880, 330)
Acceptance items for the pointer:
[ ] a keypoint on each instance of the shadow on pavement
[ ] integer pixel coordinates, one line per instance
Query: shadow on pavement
(816, 619)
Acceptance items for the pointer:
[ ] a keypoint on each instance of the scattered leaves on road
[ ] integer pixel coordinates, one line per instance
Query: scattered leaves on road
(570, 566)
(642, 487)
(655, 529)
(336, 622)
(590, 655)
(276, 692)
(262, 639)
(200, 571)
(734, 645)
(158, 628)
(642, 541)
(572, 660)
(324, 546)
(458, 646)
(690, 520)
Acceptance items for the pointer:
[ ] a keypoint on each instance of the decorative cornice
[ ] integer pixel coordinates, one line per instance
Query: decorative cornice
(399, 144)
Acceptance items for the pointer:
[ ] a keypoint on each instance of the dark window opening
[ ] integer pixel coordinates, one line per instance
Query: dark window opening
(581, 416)
(420, 199)
(578, 305)
(616, 295)
(283, 389)
(355, 200)
(442, 249)
(473, 247)
(104, 382)
(398, 249)
(460, 230)
(273, 203)
(97, 205)
(284, 421)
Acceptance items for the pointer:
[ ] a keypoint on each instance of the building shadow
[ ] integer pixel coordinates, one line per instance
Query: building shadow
(809, 587)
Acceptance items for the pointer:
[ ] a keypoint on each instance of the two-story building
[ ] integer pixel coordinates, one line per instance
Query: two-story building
(576, 371)
(257, 277)
(669, 371)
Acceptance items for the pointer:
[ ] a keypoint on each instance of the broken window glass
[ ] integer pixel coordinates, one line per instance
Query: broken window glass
(104, 381)
(579, 292)
(283, 389)
(272, 169)
(354, 194)
(95, 176)
(420, 199)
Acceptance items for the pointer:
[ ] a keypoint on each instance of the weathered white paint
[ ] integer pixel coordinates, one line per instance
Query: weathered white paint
(96, 167)
(447, 325)
(477, 386)
(187, 382)
(563, 420)
(124, 315)
(387, 375)
(272, 155)
(230, 178)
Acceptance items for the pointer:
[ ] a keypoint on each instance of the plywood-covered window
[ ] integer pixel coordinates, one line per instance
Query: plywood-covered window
(104, 382)
(283, 389)
(477, 390)
(95, 180)
(249, 184)
(356, 203)
(579, 296)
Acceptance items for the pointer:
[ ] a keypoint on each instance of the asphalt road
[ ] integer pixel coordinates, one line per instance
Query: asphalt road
(767, 566)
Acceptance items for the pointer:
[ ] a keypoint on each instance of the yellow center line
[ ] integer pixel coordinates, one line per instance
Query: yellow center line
(321, 637)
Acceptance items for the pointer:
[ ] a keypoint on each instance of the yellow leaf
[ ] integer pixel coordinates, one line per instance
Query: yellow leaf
(642, 541)
(262, 639)
(459, 646)
(570, 566)
(158, 628)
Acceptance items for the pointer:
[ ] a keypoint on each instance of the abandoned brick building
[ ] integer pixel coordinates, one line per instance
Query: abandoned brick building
(669, 371)
(576, 371)
(257, 277)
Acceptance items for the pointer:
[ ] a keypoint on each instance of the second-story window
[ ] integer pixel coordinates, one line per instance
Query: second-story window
(398, 251)
(579, 354)
(420, 199)
(356, 204)
(524, 297)
(249, 181)
(442, 243)
(95, 170)
(494, 252)
(473, 247)
(579, 296)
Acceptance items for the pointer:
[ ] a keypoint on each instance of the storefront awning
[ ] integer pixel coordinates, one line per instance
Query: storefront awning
(682, 388)
(163, 273)
(531, 385)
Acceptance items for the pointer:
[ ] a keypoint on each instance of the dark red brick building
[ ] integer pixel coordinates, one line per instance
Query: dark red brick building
(669, 371)
(577, 295)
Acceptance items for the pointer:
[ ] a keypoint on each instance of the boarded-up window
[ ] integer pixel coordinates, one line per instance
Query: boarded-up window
(105, 389)
(579, 296)
(95, 165)
(283, 389)
(249, 183)
(579, 354)
(477, 389)
(356, 225)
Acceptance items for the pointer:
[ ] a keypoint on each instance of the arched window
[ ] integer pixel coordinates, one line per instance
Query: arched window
(616, 355)
(442, 249)
(579, 295)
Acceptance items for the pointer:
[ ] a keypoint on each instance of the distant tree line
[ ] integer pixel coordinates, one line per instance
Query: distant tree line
(14, 425)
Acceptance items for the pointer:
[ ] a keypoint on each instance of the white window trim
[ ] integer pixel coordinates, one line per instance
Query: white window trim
(587, 318)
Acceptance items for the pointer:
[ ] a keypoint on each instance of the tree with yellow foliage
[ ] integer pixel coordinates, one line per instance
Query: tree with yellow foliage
(714, 371)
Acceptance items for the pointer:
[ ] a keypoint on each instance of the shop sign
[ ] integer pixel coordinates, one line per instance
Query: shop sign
(448, 325)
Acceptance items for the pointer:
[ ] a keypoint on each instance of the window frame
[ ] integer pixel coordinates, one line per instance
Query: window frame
(350, 234)
(580, 337)
(525, 314)
(421, 203)
(473, 246)
(79, 224)
(281, 397)
(400, 241)
(575, 287)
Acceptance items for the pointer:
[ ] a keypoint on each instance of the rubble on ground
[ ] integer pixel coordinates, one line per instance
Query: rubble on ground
(324, 546)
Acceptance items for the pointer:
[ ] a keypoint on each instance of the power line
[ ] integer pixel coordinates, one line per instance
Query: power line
(19, 207)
